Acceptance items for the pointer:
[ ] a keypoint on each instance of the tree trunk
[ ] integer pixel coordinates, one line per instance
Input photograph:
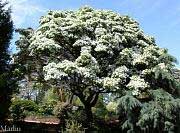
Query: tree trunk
(88, 103)
(89, 115)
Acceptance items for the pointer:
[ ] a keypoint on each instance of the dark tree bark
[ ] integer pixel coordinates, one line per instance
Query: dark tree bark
(89, 115)
(88, 103)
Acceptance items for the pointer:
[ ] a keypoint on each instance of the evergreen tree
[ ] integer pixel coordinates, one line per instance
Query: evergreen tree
(6, 30)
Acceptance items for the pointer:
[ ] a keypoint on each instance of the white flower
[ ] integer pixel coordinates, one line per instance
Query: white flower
(162, 65)
(84, 41)
(52, 72)
(101, 47)
(86, 49)
(120, 73)
(135, 92)
(137, 83)
(87, 60)
(149, 56)
(118, 28)
(85, 72)
(110, 83)
(84, 59)
(67, 66)
(41, 43)
(147, 71)
(142, 43)
(127, 54)
(100, 31)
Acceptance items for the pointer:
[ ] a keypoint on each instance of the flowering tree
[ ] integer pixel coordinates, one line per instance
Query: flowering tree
(88, 52)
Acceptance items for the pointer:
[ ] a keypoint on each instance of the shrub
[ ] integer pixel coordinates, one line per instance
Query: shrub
(21, 108)
(73, 126)
(48, 102)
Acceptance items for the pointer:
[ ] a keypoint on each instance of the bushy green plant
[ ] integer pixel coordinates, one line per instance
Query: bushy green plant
(61, 110)
(46, 109)
(49, 102)
(21, 108)
(100, 110)
(72, 126)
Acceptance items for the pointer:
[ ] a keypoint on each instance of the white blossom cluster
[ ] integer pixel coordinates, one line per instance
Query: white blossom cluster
(59, 70)
(149, 56)
(127, 54)
(100, 32)
(111, 83)
(85, 72)
(41, 43)
(67, 66)
(147, 71)
(106, 26)
(107, 42)
(84, 41)
(87, 65)
(120, 73)
(101, 48)
(149, 39)
(118, 77)
(162, 67)
(143, 59)
(137, 84)
(142, 43)
(85, 59)
(47, 18)
(52, 72)
(49, 29)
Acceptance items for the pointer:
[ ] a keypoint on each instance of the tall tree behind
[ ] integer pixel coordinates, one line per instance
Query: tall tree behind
(6, 30)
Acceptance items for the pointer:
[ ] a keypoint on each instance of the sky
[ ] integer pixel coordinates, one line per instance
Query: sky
(158, 18)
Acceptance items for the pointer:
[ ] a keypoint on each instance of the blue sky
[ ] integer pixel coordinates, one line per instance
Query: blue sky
(158, 18)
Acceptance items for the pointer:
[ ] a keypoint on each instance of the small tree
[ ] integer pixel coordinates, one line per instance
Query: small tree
(88, 52)
(19, 108)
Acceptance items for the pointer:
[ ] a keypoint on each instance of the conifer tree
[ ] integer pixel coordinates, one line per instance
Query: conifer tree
(6, 29)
